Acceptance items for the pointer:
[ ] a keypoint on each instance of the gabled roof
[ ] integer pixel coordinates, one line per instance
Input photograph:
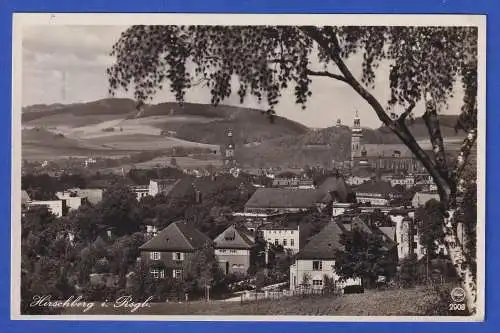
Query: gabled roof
(324, 244)
(234, 238)
(178, 236)
(336, 184)
(390, 232)
(25, 198)
(285, 198)
(375, 187)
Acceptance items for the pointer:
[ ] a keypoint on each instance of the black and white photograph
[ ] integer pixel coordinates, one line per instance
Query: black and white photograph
(248, 167)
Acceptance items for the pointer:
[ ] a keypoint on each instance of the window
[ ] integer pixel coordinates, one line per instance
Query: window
(317, 265)
(233, 251)
(276, 242)
(158, 273)
(177, 273)
(317, 282)
(292, 243)
(291, 232)
(155, 255)
(178, 256)
(284, 242)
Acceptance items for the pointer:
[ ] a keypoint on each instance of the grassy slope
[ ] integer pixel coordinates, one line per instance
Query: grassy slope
(400, 302)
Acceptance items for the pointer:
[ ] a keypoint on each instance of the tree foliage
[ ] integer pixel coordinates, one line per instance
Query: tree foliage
(364, 256)
(429, 220)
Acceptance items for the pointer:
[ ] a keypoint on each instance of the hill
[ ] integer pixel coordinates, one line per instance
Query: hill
(399, 302)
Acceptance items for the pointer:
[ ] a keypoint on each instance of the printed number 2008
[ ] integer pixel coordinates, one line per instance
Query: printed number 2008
(456, 306)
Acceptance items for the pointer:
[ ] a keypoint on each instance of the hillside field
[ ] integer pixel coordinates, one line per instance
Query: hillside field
(400, 302)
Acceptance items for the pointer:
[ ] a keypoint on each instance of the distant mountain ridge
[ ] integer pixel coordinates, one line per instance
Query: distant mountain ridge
(259, 141)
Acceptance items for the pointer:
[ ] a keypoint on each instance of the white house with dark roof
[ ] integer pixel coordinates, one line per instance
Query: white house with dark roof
(317, 260)
(232, 249)
(280, 235)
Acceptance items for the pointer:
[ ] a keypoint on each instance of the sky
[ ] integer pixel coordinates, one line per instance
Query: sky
(66, 64)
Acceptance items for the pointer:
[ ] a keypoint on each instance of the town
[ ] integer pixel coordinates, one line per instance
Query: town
(235, 233)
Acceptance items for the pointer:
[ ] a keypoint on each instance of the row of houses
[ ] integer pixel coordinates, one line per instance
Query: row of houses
(66, 201)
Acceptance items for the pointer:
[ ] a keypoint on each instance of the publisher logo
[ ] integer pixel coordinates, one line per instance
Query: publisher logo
(457, 295)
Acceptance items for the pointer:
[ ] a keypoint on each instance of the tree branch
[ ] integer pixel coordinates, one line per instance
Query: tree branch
(462, 158)
(431, 120)
(402, 117)
(400, 129)
(326, 74)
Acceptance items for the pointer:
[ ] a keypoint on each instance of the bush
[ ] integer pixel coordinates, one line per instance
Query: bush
(354, 290)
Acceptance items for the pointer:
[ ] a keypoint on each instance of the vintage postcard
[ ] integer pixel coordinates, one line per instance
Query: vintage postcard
(248, 167)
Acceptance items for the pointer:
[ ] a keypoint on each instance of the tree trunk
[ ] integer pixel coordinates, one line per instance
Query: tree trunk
(459, 261)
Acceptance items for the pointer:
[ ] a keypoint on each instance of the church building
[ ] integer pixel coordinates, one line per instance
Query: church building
(394, 158)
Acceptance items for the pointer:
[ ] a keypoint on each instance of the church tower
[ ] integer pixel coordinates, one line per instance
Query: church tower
(229, 160)
(356, 139)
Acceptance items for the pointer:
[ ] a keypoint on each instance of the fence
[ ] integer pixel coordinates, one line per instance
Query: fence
(252, 296)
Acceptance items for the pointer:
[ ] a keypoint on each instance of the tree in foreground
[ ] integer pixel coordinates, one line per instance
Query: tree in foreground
(426, 64)
(364, 256)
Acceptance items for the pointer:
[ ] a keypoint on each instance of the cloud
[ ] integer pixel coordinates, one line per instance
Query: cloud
(67, 64)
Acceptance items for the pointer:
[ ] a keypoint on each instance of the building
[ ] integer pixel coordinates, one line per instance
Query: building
(376, 193)
(229, 160)
(280, 200)
(383, 157)
(279, 235)
(293, 182)
(420, 198)
(405, 181)
(233, 250)
(25, 198)
(317, 260)
(171, 250)
(72, 199)
(140, 191)
(56, 207)
(161, 186)
(93, 195)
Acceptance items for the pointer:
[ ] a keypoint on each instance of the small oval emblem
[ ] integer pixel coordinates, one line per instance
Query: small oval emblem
(457, 295)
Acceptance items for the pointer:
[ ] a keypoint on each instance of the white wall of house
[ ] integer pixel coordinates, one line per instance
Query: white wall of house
(356, 180)
(289, 239)
(54, 206)
(407, 182)
(373, 200)
(316, 271)
(153, 188)
(339, 208)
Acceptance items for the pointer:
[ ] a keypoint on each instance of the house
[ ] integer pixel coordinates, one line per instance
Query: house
(279, 235)
(317, 260)
(280, 200)
(420, 198)
(163, 186)
(375, 193)
(405, 181)
(232, 249)
(72, 199)
(293, 182)
(339, 208)
(93, 195)
(140, 191)
(25, 198)
(170, 251)
(56, 207)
